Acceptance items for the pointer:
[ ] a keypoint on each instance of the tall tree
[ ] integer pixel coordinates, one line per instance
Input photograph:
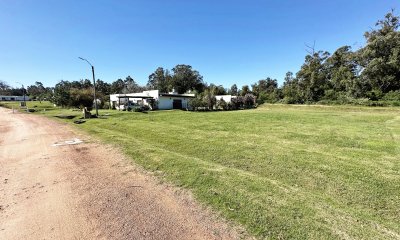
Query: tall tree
(62, 95)
(245, 90)
(36, 91)
(4, 88)
(234, 90)
(266, 90)
(216, 90)
(130, 86)
(342, 69)
(290, 89)
(185, 78)
(380, 58)
(160, 80)
(102, 87)
(117, 86)
(312, 76)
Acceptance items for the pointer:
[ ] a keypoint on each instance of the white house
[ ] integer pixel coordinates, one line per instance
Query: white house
(153, 98)
(14, 98)
(226, 98)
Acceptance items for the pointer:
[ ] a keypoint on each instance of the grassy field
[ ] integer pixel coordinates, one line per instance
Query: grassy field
(283, 172)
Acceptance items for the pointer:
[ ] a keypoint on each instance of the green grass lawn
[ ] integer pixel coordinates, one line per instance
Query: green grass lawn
(283, 172)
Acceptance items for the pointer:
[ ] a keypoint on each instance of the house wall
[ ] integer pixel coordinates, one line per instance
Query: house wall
(14, 98)
(152, 93)
(227, 98)
(165, 103)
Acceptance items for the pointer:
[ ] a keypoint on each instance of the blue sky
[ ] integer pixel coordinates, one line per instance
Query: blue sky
(226, 41)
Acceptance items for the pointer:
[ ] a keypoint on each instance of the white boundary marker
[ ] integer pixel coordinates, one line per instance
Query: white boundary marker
(68, 142)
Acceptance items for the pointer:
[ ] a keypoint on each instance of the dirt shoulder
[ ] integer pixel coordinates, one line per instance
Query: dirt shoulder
(87, 190)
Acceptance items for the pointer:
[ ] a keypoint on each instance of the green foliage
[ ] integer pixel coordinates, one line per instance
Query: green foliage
(209, 99)
(38, 91)
(221, 105)
(117, 86)
(130, 86)
(249, 100)
(197, 103)
(266, 90)
(4, 88)
(392, 96)
(245, 90)
(371, 72)
(81, 98)
(184, 78)
(62, 95)
(234, 90)
(160, 80)
(312, 77)
(380, 58)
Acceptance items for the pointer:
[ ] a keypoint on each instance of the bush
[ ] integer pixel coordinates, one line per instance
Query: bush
(81, 98)
(145, 108)
(249, 100)
(137, 109)
(392, 96)
(106, 105)
(222, 105)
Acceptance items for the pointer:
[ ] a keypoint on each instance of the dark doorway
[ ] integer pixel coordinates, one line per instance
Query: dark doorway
(177, 104)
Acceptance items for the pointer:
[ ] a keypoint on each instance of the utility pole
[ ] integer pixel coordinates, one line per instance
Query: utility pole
(94, 86)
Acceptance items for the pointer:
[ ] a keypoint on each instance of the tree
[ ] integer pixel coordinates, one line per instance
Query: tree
(342, 69)
(245, 90)
(221, 104)
(380, 58)
(61, 95)
(36, 91)
(102, 87)
(103, 90)
(249, 100)
(184, 78)
(4, 88)
(217, 90)
(266, 90)
(130, 86)
(117, 86)
(209, 99)
(80, 98)
(290, 89)
(312, 77)
(234, 90)
(160, 80)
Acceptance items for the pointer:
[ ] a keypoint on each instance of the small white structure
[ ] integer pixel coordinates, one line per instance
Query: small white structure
(153, 98)
(14, 98)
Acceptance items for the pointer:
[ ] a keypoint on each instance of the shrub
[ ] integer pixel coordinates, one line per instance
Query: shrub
(221, 104)
(81, 98)
(196, 103)
(137, 109)
(392, 96)
(249, 100)
(145, 108)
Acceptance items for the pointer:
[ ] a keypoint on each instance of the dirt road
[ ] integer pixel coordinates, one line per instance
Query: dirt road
(87, 190)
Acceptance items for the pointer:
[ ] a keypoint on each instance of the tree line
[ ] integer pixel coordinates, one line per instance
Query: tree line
(364, 76)
(369, 75)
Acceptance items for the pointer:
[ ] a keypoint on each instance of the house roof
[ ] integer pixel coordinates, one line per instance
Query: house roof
(177, 95)
(136, 96)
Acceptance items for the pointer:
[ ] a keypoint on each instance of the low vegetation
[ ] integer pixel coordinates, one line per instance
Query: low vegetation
(282, 171)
